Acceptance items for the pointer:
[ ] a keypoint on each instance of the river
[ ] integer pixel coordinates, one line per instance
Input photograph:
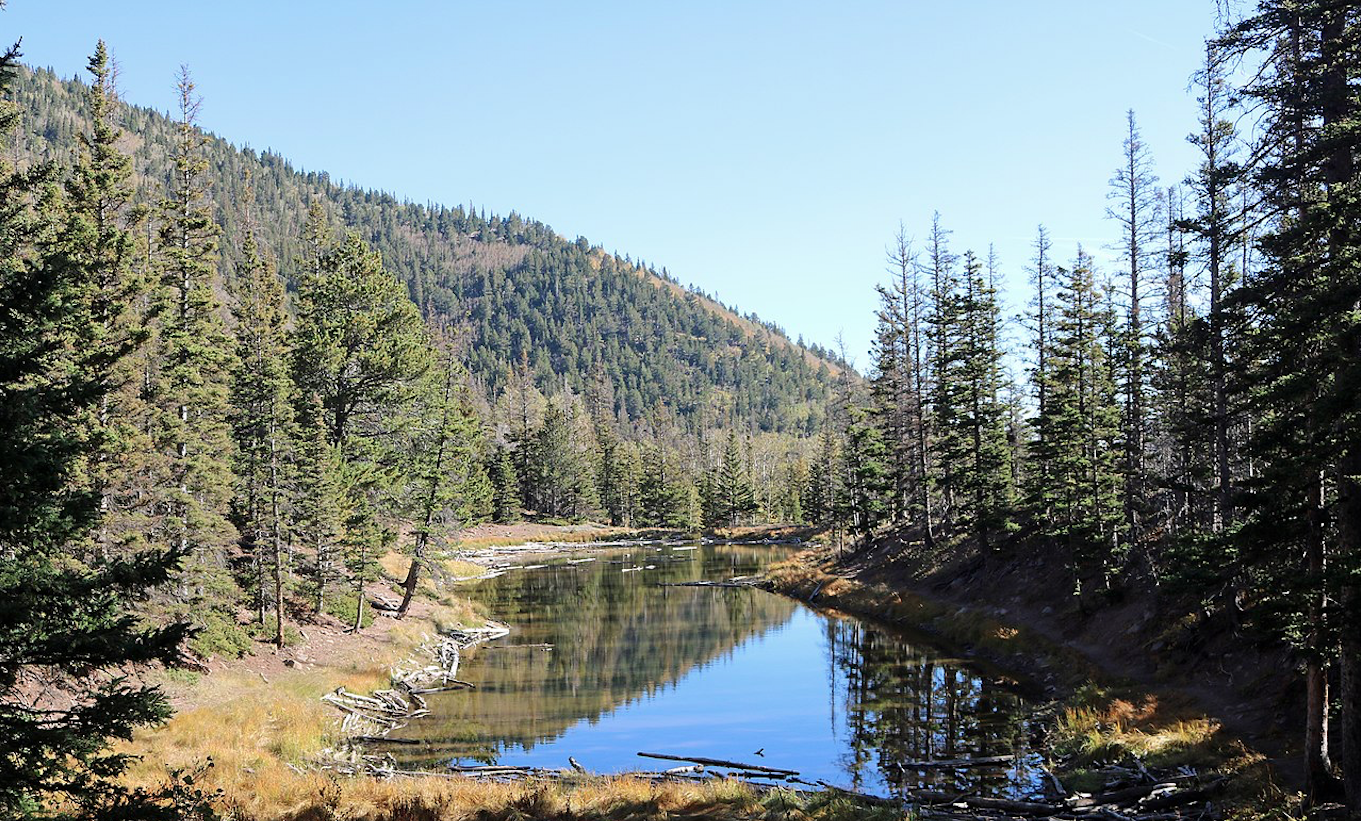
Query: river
(604, 662)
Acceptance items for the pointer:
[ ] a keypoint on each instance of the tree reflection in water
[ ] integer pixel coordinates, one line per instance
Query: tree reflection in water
(711, 672)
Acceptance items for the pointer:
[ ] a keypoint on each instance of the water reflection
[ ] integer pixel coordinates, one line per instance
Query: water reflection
(719, 673)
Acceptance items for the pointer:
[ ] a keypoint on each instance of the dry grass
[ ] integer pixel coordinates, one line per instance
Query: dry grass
(533, 534)
(316, 796)
(1102, 726)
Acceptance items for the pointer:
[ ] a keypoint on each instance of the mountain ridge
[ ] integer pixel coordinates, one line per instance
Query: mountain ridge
(568, 308)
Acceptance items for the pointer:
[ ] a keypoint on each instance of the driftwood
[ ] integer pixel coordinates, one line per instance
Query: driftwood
(718, 762)
(1009, 806)
(958, 763)
(454, 684)
(732, 583)
(382, 739)
(1178, 798)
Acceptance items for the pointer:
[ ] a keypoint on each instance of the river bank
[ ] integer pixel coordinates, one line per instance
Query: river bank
(274, 743)
(1104, 712)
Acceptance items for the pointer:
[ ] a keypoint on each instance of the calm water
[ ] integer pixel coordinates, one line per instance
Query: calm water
(717, 673)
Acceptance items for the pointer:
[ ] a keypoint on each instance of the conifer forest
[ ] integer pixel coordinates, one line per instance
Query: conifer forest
(270, 442)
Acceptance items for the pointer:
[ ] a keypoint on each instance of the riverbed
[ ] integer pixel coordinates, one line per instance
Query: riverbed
(606, 660)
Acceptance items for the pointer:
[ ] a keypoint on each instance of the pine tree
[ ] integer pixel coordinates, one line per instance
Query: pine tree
(193, 358)
(320, 507)
(1082, 419)
(661, 494)
(985, 473)
(1305, 353)
(263, 420)
(1134, 193)
(65, 622)
(1214, 231)
(866, 479)
(505, 504)
(732, 494)
(361, 349)
(944, 327)
(1041, 319)
(448, 485)
(893, 386)
(96, 243)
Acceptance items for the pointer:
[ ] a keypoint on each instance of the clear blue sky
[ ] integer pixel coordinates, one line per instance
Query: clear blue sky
(763, 151)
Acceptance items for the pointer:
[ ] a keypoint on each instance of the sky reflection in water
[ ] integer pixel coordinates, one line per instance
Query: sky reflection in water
(718, 673)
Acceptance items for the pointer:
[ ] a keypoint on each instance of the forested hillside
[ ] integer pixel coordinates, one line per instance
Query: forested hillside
(577, 314)
(1187, 433)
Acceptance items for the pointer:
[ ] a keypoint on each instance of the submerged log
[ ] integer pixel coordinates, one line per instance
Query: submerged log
(718, 762)
(983, 761)
(1012, 806)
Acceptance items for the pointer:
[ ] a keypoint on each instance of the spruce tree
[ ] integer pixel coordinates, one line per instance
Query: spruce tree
(65, 622)
(1135, 203)
(1304, 510)
(505, 486)
(1082, 419)
(263, 419)
(985, 472)
(447, 484)
(734, 498)
(193, 359)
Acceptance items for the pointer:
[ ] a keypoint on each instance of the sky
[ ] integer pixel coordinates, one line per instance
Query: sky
(765, 152)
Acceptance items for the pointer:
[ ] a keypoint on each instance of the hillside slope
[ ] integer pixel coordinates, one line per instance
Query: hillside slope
(578, 315)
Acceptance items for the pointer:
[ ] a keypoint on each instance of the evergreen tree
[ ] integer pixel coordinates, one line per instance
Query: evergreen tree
(360, 348)
(448, 485)
(65, 622)
(320, 507)
(1134, 194)
(96, 244)
(1304, 507)
(263, 420)
(732, 494)
(985, 475)
(193, 362)
(661, 493)
(1041, 325)
(866, 479)
(1082, 420)
(505, 485)
(944, 329)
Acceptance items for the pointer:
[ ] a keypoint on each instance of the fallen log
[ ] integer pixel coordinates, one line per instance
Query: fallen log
(718, 762)
(1123, 796)
(982, 761)
(1012, 806)
(1178, 798)
(705, 584)
(456, 685)
(860, 796)
(382, 739)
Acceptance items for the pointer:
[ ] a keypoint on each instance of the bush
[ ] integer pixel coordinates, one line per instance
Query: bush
(343, 603)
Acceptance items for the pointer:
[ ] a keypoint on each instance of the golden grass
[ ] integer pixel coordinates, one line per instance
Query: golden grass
(546, 533)
(460, 569)
(602, 798)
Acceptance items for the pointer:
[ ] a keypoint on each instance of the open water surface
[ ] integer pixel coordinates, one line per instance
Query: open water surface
(718, 673)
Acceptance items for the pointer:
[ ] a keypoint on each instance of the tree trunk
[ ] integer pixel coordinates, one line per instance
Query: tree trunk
(1321, 784)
